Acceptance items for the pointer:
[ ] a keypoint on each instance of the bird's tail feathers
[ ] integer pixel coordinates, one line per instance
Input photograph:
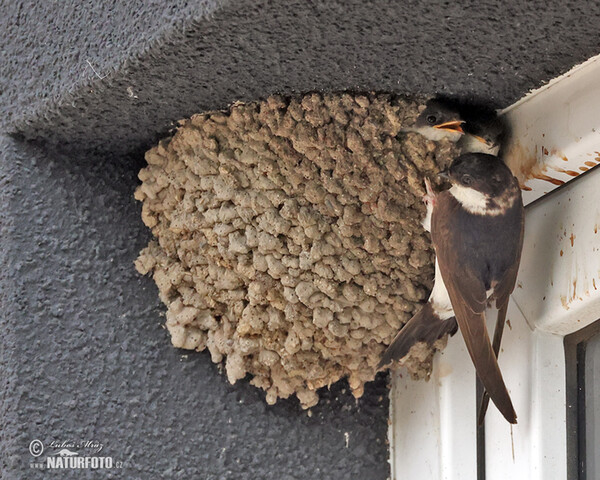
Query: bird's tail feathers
(484, 399)
(425, 326)
(486, 365)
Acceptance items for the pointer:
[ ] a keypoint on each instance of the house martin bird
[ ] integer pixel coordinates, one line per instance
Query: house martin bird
(475, 128)
(438, 121)
(477, 234)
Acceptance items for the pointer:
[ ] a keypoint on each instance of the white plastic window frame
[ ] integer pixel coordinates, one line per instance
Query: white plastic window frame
(433, 431)
(581, 349)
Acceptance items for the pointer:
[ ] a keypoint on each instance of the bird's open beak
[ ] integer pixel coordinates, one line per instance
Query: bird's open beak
(444, 174)
(483, 140)
(453, 126)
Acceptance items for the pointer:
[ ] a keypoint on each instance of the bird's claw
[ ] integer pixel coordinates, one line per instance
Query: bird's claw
(429, 197)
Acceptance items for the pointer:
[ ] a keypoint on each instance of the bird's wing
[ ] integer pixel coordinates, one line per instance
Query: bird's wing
(502, 292)
(483, 397)
(424, 326)
(468, 296)
(506, 285)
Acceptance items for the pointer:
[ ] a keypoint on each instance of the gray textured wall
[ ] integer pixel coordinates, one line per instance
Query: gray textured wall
(83, 355)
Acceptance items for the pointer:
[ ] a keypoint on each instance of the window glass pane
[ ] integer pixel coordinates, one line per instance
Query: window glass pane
(592, 406)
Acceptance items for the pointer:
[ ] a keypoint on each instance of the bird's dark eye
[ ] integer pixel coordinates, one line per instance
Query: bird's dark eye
(466, 179)
(431, 119)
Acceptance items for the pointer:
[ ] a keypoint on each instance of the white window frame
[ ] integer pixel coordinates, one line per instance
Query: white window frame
(433, 432)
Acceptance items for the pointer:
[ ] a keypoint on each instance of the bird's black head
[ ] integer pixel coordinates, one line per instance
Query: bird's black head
(441, 115)
(487, 174)
(488, 133)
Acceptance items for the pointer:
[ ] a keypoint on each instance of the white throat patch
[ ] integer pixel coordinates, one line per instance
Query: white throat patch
(474, 201)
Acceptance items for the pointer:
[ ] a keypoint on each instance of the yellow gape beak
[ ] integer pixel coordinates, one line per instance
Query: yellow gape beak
(483, 140)
(453, 126)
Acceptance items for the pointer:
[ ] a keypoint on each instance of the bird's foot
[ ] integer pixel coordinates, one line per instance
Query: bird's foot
(429, 197)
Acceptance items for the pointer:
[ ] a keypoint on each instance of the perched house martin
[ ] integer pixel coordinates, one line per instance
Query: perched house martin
(477, 234)
(474, 127)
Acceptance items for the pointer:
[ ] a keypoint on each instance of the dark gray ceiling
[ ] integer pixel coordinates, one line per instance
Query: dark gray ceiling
(166, 61)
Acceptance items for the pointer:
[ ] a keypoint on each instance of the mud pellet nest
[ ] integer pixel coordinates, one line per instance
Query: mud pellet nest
(288, 238)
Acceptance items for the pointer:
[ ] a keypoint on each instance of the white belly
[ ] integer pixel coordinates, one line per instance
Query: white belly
(439, 298)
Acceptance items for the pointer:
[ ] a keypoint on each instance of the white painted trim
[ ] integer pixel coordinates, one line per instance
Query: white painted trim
(434, 427)
(433, 424)
(533, 364)
(556, 131)
(559, 277)
(435, 417)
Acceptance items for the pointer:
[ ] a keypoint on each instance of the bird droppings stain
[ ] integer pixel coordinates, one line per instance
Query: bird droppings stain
(522, 162)
(509, 324)
(546, 178)
(567, 172)
(288, 238)
(572, 238)
(524, 165)
(444, 369)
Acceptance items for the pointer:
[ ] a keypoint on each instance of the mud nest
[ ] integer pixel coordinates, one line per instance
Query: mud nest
(288, 238)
